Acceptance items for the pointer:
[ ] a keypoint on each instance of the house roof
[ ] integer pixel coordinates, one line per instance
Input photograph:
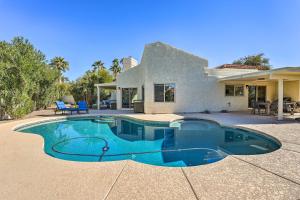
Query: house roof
(237, 66)
(112, 85)
(158, 43)
(285, 72)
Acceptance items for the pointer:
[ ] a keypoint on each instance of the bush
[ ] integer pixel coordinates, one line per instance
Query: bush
(84, 87)
(27, 81)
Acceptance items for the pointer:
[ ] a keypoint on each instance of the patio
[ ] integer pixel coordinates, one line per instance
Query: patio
(106, 86)
(274, 85)
(27, 172)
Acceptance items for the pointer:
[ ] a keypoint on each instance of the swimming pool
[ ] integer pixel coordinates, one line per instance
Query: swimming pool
(181, 143)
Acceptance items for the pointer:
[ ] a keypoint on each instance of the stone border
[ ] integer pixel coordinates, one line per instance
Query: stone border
(18, 128)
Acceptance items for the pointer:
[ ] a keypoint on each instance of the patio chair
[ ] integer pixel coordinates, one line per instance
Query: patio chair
(82, 106)
(288, 106)
(254, 107)
(264, 107)
(274, 107)
(297, 107)
(60, 106)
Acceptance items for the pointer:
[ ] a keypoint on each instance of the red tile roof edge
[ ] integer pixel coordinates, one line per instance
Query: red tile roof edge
(237, 66)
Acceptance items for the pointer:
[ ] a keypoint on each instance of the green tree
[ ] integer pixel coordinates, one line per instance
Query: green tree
(84, 87)
(115, 68)
(254, 60)
(98, 66)
(60, 64)
(27, 81)
(63, 89)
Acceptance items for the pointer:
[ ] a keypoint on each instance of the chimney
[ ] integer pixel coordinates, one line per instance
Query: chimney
(128, 63)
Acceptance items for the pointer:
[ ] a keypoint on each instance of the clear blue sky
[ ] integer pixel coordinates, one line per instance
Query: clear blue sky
(219, 30)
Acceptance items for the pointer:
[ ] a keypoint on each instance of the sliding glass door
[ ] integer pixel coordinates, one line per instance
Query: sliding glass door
(261, 93)
(251, 95)
(128, 97)
(256, 93)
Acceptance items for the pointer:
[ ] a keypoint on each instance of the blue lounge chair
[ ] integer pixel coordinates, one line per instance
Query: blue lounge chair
(83, 106)
(60, 106)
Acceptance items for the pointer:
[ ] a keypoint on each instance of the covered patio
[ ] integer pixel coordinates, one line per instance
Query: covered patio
(277, 83)
(106, 86)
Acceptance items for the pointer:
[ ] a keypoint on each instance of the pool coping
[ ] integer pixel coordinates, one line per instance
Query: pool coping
(192, 179)
(17, 128)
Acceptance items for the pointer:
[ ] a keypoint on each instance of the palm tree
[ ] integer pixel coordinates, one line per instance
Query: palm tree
(254, 60)
(115, 68)
(60, 64)
(98, 66)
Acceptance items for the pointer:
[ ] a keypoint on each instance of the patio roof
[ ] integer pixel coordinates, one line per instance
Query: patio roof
(110, 86)
(286, 73)
(279, 75)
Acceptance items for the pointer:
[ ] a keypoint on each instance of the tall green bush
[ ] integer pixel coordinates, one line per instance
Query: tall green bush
(84, 87)
(27, 82)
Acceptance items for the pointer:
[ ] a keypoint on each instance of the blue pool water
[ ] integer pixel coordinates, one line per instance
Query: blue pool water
(177, 144)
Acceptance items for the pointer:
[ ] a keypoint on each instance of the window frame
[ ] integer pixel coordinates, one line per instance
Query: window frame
(225, 91)
(234, 90)
(164, 93)
(237, 86)
(154, 97)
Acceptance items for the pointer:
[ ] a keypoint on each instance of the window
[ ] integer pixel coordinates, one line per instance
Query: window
(159, 92)
(170, 92)
(234, 90)
(229, 90)
(128, 97)
(239, 90)
(164, 92)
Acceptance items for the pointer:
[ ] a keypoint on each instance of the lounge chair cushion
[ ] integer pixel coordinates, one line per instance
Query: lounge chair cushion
(82, 105)
(60, 105)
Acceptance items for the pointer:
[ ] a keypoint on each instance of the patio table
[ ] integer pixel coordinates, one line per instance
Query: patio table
(266, 105)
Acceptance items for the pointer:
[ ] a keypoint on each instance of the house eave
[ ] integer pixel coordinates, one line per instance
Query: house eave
(278, 73)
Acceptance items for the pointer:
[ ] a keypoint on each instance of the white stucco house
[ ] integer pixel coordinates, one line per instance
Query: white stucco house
(169, 80)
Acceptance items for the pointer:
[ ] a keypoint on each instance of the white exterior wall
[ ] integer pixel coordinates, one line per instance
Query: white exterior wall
(131, 78)
(165, 64)
(197, 87)
(113, 95)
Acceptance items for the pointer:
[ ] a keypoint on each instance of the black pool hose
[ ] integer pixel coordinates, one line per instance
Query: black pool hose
(105, 148)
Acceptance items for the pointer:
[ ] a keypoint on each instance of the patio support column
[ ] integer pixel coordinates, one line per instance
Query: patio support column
(98, 97)
(280, 99)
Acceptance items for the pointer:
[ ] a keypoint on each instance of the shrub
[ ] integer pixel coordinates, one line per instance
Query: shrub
(27, 81)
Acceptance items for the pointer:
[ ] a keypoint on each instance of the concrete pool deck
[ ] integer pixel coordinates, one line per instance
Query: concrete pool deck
(26, 172)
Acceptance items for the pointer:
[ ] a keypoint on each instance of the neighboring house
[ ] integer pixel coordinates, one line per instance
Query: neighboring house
(169, 80)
